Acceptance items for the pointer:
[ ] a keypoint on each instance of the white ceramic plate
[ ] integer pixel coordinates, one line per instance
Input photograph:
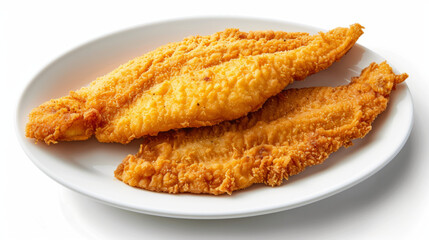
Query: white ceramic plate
(87, 167)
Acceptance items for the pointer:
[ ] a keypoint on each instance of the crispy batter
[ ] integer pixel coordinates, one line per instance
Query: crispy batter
(293, 130)
(200, 81)
(76, 117)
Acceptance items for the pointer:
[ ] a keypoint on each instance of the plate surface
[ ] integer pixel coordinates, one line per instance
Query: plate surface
(87, 167)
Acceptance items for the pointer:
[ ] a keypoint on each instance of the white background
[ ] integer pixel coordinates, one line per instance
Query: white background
(392, 204)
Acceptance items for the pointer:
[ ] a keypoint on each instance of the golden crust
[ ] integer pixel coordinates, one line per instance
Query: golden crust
(293, 130)
(107, 95)
(200, 81)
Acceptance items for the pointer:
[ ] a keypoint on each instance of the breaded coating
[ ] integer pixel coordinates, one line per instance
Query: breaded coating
(293, 130)
(200, 81)
(76, 117)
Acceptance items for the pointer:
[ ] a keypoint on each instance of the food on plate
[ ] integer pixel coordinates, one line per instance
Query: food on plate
(293, 130)
(200, 81)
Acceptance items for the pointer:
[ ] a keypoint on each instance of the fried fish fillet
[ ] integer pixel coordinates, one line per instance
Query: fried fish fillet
(293, 130)
(200, 81)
